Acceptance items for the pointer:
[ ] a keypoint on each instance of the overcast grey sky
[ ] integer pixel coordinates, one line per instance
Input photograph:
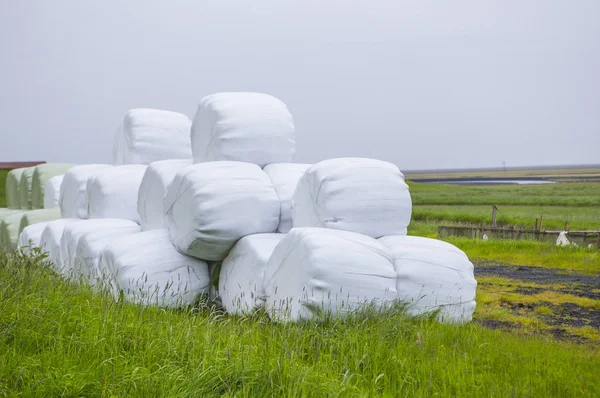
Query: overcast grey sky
(423, 84)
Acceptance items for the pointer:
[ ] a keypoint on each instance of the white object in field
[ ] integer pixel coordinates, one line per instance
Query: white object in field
(73, 232)
(562, 239)
(113, 192)
(52, 192)
(153, 188)
(317, 270)
(285, 177)
(37, 216)
(209, 206)
(73, 199)
(148, 270)
(50, 241)
(92, 243)
(148, 135)
(25, 187)
(241, 281)
(31, 236)
(41, 174)
(433, 275)
(248, 127)
(353, 194)
(9, 230)
(484, 238)
(13, 185)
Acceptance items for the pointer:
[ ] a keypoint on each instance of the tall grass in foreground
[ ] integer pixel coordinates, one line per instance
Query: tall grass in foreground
(60, 339)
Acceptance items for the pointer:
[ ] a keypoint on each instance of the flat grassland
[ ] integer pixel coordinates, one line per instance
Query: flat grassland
(536, 329)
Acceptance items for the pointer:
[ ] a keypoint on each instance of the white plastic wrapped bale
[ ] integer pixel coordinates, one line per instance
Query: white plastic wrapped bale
(41, 174)
(13, 184)
(153, 188)
(92, 243)
(52, 192)
(248, 127)
(209, 206)
(241, 280)
(148, 270)
(433, 275)
(9, 230)
(73, 232)
(31, 237)
(37, 216)
(113, 193)
(4, 212)
(367, 196)
(322, 271)
(25, 188)
(285, 177)
(73, 200)
(50, 240)
(148, 135)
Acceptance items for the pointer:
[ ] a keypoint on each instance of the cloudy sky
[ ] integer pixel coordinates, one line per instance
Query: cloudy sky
(423, 84)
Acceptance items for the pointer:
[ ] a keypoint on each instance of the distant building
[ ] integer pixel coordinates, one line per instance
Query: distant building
(16, 165)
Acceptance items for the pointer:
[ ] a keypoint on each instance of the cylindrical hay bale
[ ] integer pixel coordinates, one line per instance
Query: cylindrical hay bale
(37, 216)
(316, 271)
(353, 194)
(41, 174)
(50, 241)
(92, 243)
(285, 177)
(73, 232)
(73, 200)
(148, 270)
(31, 237)
(248, 127)
(151, 195)
(13, 185)
(113, 193)
(25, 188)
(209, 206)
(433, 275)
(52, 192)
(148, 135)
(241, 280)
(9, 230)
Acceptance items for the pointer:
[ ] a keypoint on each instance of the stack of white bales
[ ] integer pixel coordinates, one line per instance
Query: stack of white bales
(32, 182)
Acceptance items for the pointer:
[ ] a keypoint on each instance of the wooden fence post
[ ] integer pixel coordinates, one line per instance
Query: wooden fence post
(494, 210)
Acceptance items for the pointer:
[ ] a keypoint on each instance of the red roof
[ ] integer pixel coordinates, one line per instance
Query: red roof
(16, 165)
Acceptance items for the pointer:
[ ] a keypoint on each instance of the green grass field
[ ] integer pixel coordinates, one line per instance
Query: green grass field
(61, 339)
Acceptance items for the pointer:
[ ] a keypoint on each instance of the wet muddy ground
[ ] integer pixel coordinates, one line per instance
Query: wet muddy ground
(555, 280)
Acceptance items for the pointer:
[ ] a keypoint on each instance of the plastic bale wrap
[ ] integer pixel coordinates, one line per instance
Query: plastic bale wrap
(248, 127)
(4, 212)
(41, 174)
(148, 270)
(366, 196)
(73, 232)
(433, 275)
(316, 271)
(113, 193)
(148, 135)
(25, 188)
(73, 200)
(9, 230)
(52, 192)
(241, 279)
(13, 185)
(50, 241)
(285, 177)
(37, 216)
(92, 243)
(31, 237)
(210, 206)
(153, 188)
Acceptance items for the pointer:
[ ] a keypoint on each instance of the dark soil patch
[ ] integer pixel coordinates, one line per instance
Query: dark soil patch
(495, 324)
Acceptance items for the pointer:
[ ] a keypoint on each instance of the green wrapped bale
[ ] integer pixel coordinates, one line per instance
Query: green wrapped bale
(41, 174)
(9, 231)
(38, 216)
(13, 184)
(7, 212)
(25, 188)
